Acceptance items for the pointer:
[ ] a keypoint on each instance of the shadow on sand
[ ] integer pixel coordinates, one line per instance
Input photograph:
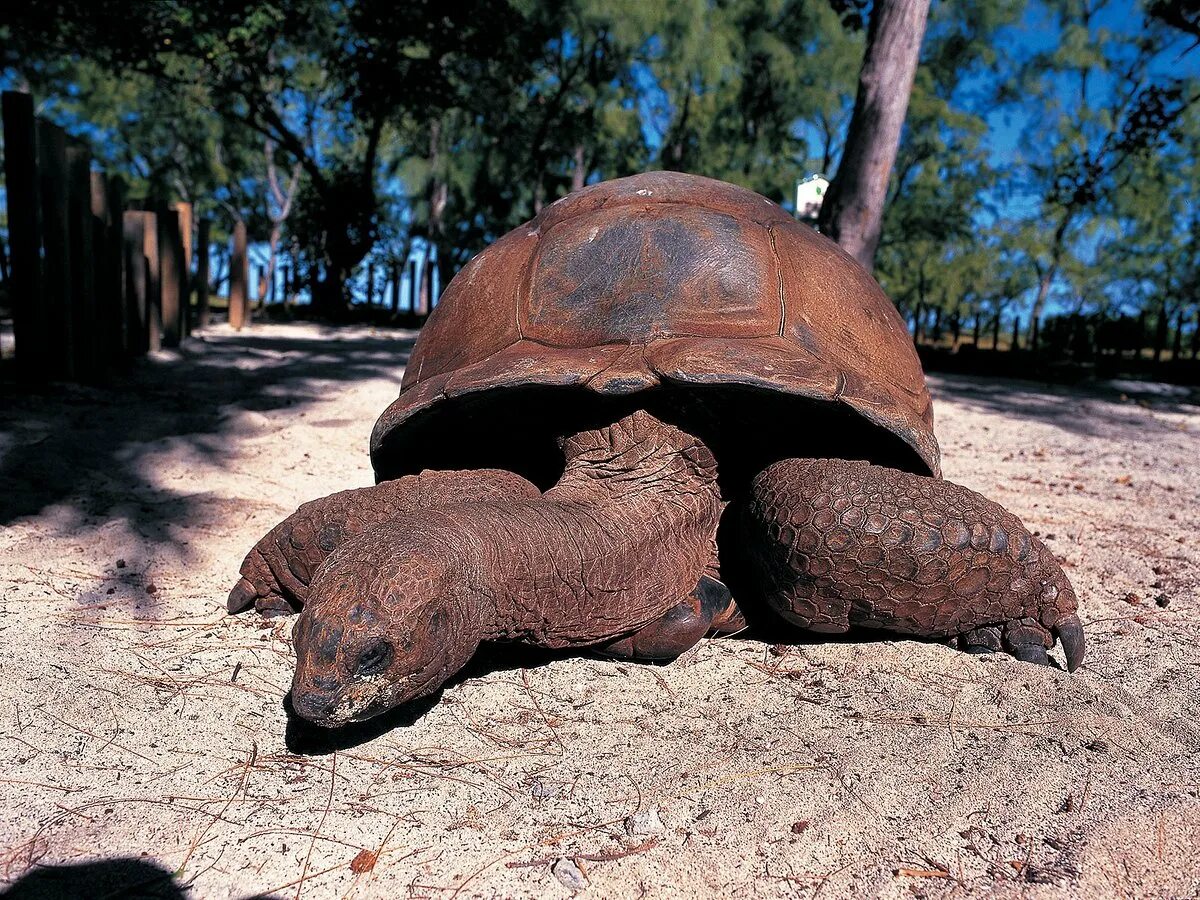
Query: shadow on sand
(124, 877)
(85, 447)
(1096, 409)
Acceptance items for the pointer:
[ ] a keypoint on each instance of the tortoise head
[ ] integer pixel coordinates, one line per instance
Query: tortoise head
(384, 624)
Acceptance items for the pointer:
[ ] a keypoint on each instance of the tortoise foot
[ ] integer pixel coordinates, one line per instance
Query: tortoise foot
(266, 602)
(1027, 640)
(710, 608)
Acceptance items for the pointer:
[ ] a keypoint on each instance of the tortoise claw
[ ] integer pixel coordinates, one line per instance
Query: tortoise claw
(242, 596)
(1070, 632)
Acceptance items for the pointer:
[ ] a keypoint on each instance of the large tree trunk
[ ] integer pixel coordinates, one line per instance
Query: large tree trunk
(852, 213)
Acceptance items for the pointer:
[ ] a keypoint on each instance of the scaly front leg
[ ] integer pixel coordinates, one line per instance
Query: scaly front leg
(840, 543)
(278, 570)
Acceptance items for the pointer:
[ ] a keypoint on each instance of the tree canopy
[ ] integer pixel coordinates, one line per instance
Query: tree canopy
(1048, 160)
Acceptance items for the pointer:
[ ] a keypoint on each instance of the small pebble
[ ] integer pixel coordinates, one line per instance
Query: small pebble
(1163, 601)
(120, 563)
(645, 823)
(568, 874)
(114, 590)
(151, 589)
(538, 789)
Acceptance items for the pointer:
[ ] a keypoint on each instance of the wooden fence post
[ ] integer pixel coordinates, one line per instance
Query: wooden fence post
(56, 242)
(84, 336)
(137, 301)
(109, 319)
(30, 325)
(239, 276)
(202, 238)
(184, 211)
(154, 318)
(170, 262)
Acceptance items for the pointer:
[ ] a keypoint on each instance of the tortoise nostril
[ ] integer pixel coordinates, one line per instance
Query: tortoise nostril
(314, 705)
(325, 682)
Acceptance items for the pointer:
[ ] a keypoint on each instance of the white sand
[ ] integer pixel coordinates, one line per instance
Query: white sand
(138, 721)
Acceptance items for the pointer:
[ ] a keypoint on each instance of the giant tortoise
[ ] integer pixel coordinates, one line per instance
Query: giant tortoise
(718, 404)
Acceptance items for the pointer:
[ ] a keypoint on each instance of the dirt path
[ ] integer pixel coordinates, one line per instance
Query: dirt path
(143, 741)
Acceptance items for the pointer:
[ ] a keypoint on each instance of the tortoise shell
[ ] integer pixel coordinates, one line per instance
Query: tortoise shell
(661, 280)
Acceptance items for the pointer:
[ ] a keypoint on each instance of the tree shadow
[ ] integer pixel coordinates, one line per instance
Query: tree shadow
(1095, 409)
(90, 449)
(109, 878)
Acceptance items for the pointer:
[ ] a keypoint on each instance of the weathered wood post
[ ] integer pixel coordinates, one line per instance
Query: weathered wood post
(239, 277)
(30, 324)
(184, 211)
(170, 261)
(137, 301)
(85, 338)
(56, 242)
(154, 317)
(202, 238)
(110, 325)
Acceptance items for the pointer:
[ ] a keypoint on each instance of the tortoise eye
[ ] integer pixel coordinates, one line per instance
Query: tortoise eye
(375, 658)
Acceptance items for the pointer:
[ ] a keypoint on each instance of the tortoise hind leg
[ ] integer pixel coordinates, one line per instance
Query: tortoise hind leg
(838, 543)
(708, 609)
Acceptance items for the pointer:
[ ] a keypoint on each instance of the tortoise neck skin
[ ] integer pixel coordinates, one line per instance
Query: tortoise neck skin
(623, 537)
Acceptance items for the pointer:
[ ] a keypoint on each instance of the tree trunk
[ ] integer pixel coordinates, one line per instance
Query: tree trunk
(1039, 302)
(1016, 338)
(996, 331)
(852, 213)
(978, 317)
(1160, 334)
(578, 169)
(1177, 347)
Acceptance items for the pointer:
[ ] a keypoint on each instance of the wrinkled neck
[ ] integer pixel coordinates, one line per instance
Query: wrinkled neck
(633, 457)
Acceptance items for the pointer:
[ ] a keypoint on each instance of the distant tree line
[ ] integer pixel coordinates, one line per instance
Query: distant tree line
(348, 133)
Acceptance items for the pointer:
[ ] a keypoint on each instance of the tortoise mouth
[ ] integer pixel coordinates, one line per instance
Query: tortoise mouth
(748, 428)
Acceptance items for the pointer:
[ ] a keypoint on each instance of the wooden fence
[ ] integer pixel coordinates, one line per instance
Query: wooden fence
(93, 280)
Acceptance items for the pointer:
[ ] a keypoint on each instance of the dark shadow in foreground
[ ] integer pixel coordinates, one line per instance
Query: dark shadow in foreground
(109, 878)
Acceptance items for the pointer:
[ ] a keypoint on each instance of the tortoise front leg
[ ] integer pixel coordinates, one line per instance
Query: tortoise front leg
(839, 543)
(277, 571)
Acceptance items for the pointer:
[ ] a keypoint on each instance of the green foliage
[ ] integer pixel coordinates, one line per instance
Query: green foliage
(451, 122)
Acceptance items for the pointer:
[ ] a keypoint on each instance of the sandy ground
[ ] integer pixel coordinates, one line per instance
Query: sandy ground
(145, 751)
